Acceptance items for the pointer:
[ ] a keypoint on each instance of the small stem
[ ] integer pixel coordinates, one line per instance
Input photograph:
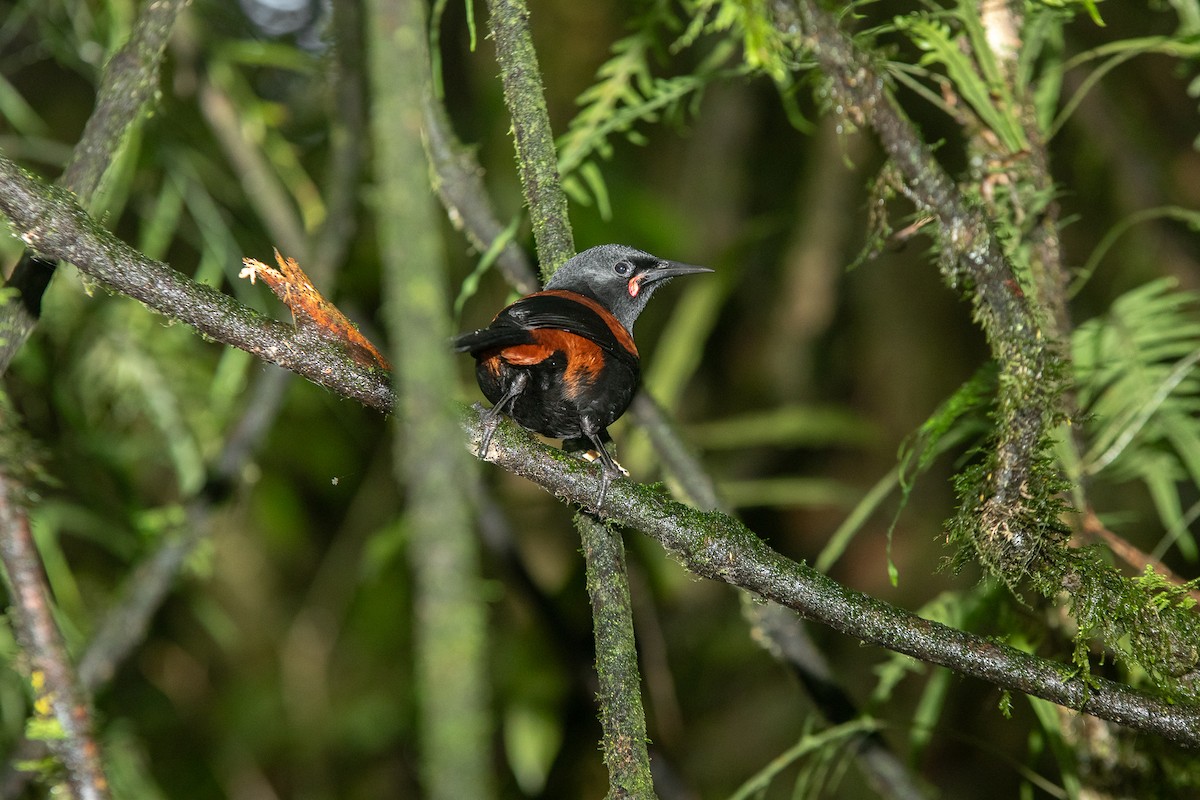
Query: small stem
(713, 545)
(537, 159)
(621, 713)
(55, 682)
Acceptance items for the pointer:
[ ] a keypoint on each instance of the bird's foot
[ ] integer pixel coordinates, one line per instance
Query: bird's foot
(592, 456)
(609, 470)
(489, 421)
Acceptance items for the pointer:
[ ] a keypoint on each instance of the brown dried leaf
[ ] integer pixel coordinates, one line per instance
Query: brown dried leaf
(310, 309)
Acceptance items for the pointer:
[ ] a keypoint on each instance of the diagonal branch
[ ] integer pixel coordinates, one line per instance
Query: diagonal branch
(52, 224)
(709, 544)
(713, 545)
(58, 694)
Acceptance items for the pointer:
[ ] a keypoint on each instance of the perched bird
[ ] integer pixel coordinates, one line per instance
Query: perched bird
(562, 361)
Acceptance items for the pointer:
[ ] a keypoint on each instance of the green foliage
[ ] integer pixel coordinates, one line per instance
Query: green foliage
(971, 67)
(819, 753)
(1140, 394)
(625, 94)
(764, 47)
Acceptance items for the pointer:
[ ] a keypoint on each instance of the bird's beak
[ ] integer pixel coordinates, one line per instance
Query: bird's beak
(670, 269)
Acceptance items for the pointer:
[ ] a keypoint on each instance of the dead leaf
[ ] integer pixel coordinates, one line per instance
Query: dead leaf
(310, 309)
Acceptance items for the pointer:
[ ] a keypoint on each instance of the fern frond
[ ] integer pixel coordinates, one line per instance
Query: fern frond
(1140, 391)
(625, 94)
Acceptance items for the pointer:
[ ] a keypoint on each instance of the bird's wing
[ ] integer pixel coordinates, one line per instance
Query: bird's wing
(558, 310)
(496, 336)
(554, 311)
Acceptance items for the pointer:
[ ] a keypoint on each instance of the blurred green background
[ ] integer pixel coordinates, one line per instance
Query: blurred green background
(281, 666)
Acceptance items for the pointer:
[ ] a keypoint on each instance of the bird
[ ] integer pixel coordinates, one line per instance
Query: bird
(562, 361)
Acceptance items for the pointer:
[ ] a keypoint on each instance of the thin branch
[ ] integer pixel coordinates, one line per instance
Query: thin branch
(537, 159)
(52, 224)
(127, 86)
(55, 682)
(713, 545)
(450, 610)
(458, 181)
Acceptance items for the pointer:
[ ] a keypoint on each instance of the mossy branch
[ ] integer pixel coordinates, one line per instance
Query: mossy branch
(714, 545)
(537, 159)
(621, 713)
(973, 260)
(709, 544)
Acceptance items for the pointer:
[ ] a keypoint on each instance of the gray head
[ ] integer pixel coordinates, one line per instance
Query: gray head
(621, 278)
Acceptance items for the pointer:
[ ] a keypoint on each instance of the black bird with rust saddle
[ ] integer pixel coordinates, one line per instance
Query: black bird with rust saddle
(562, 361)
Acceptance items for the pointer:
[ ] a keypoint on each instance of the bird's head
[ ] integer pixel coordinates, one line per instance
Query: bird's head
(621, 278)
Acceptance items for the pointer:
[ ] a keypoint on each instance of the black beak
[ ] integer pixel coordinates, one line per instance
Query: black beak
(665, 270)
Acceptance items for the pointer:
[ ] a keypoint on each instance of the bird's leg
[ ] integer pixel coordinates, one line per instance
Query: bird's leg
(491, 417)
(609, 468)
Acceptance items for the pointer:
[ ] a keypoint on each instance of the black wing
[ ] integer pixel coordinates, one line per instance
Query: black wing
(512, 326)
(494, 337)
(557, 312)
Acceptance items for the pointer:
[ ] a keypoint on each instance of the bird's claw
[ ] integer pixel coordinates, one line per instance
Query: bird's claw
(592, 456)
(609, 469)
(489, 421)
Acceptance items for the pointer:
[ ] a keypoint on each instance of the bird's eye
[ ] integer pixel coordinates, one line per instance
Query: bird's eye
(622, 268)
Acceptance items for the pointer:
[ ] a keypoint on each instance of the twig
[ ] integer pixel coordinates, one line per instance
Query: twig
(128, 84)
(536, 157)
(55, 682)
(621, 714)
(716, 546)
(450, 614)
(52, 224)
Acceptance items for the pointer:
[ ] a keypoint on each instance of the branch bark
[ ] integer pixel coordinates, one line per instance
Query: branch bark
(713, 545)
(128, 84)
(57, 693)
(708, 543)
(450, 624)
